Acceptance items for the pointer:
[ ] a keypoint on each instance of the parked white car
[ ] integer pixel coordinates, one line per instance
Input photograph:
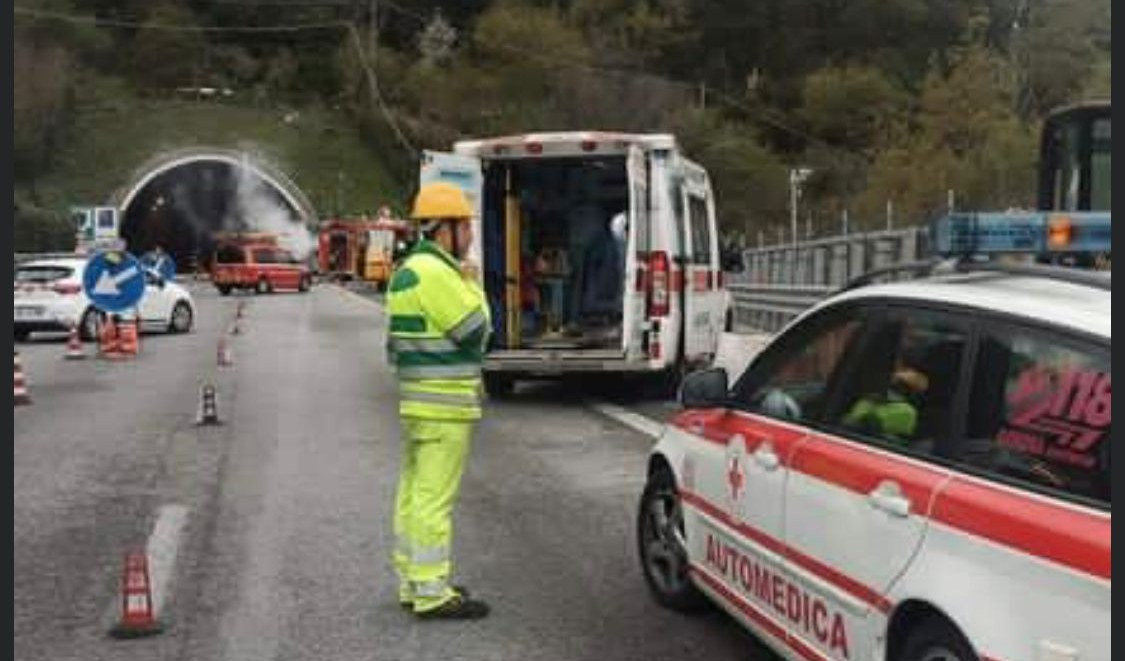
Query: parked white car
(48, 296)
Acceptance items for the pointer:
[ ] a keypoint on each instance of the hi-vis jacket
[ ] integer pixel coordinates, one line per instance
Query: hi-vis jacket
(438, 330)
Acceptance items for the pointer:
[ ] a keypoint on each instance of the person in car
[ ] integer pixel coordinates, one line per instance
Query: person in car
(893, 414)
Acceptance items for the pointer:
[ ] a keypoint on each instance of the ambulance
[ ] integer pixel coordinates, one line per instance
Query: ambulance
(915, 470)
(598, 251)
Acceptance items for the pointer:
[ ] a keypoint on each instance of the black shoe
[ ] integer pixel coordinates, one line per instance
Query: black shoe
(457, 608)
(409, 605)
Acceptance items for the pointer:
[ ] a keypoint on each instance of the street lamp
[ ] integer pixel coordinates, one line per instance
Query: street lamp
(797, 176)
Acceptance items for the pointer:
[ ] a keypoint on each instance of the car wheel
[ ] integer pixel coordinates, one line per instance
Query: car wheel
(263, 286)
(181, 318)
(303, 285)
(90, 324)
(498, 386)
(662, 547)
(224, 290)
(935, 639)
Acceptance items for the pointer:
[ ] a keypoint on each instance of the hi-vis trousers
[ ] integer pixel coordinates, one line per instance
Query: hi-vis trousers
(433, 458)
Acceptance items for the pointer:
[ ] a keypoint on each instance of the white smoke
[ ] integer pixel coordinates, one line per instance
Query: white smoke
(258, 209)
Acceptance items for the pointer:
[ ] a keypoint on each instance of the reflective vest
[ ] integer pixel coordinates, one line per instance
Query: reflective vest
(437, 333)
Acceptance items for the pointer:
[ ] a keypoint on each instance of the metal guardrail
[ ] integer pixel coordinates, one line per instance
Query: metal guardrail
(779, 282)
(769, 307)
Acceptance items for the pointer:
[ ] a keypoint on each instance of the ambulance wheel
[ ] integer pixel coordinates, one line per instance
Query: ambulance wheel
(936, 639)
(662, 547)
(498, 386)
(303, 284)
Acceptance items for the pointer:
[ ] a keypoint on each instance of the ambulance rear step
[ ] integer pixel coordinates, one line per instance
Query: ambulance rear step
(540, 361)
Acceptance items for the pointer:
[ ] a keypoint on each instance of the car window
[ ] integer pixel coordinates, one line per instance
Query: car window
(700, 230)
(42, 273)
(1040, 412)
(229, 255)
(905, 382)
(790, 381)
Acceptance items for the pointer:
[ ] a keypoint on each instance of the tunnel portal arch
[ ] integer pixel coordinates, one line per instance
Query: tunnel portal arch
(206, 183)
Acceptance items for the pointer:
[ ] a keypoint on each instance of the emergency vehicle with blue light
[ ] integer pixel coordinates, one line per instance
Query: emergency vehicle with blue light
(912, 470)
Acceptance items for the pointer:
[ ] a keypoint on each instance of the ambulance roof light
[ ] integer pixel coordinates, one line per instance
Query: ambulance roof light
(1021, 232)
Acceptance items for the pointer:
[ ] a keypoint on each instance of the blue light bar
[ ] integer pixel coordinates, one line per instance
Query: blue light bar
(1021, 232)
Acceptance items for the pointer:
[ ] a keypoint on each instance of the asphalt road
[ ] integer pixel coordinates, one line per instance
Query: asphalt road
(283, 551)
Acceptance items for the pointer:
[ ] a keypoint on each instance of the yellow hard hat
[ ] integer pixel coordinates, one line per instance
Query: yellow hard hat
(441, 200)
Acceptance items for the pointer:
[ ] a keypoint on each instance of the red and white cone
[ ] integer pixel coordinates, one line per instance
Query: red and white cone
(22, 396)
(74, 345)
(138, 616)
(225, 359)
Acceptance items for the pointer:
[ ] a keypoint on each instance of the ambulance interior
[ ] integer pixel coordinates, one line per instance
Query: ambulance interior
(554, 241)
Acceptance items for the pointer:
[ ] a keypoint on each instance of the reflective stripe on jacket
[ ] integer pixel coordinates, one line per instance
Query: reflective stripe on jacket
(437, 333)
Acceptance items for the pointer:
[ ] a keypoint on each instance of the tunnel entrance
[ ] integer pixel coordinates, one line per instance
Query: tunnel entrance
(180, 205)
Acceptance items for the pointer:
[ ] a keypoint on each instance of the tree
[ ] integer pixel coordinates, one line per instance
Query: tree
(162, 59)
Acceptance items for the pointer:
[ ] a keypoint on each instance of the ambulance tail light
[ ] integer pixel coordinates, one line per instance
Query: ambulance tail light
(658, 284)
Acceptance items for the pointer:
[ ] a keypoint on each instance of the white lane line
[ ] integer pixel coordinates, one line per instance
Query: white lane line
(162, 546)
(629, 418)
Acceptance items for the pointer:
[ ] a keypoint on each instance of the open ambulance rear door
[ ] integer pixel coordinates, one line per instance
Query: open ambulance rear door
(634, 314)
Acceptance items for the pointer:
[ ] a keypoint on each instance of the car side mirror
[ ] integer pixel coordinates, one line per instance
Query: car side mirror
(705, 389)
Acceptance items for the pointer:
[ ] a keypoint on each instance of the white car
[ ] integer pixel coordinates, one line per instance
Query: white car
(910, 471)
(48, 296)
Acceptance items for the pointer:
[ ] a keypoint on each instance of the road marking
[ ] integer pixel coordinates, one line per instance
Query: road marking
(637, 421)
(161, 550)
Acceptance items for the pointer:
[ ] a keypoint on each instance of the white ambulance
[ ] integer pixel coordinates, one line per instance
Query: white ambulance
(911, 471)
(598, 251)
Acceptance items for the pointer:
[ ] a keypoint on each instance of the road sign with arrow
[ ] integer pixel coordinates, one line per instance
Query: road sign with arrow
(113, 281)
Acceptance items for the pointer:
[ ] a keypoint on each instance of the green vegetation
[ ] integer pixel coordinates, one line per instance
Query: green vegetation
(886, 100)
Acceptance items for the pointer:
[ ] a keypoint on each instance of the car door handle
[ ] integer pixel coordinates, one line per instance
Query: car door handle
(766, 457)
(888, 497)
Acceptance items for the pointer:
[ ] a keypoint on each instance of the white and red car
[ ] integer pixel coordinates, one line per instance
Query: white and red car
(48, 296)
(967, 518)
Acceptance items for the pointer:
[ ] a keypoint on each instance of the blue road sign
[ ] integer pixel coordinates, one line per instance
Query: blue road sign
(114, 281)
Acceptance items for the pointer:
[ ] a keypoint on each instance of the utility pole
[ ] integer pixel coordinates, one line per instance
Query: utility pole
(844, 220)
(890, 213)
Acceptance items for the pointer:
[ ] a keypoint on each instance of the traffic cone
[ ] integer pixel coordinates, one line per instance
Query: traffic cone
(129, 345)
(208, 407)
(137, 614)
(225, 359)
(238, 309)
(22, 396)
(108, 341)
(74, 345)
(234, 329)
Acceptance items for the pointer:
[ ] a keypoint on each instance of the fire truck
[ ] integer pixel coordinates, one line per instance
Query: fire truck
(360, 249)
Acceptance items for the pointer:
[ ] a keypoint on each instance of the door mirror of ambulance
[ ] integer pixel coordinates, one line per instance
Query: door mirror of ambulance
(705, 389)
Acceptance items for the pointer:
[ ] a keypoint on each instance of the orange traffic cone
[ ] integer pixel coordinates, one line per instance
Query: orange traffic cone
(74, 345)
(225, 359)
(108, 343)
(137, 614)
(22, 396)
(129, 346)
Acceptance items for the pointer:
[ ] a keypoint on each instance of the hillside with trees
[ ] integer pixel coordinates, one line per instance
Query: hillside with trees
(894, 101)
